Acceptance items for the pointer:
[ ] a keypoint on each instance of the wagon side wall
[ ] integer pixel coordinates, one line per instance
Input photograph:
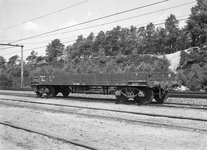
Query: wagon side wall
(115, 79)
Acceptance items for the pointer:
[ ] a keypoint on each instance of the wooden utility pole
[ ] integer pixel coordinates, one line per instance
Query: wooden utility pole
(22, 67)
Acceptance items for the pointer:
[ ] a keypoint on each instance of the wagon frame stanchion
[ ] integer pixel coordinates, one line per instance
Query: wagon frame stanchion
(161, 96)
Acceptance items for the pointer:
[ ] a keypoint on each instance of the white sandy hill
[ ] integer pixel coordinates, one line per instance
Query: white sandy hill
(174, 59)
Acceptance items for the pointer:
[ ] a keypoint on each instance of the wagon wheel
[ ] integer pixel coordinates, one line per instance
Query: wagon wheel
(161, 99)
(51, 92)
(146, 96)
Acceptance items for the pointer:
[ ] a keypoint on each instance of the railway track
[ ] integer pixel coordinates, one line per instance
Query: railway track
(50, 135)
(187, 94)
(21, 103)
(180, 105)
(179, 94)
(111, 100)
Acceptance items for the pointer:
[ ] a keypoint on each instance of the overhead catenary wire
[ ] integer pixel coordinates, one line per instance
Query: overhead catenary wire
(138, 25)
(75, 40)
(126, 19)
(119, 20)
(145, 14)
(45, 15)
(71, 37)
(6, 48)
(85, 22)
(39, 47)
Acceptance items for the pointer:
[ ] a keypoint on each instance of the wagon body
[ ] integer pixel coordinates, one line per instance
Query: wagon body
(128, 84)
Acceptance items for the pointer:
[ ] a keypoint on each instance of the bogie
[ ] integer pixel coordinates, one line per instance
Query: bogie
(41, 90)
(141, 95)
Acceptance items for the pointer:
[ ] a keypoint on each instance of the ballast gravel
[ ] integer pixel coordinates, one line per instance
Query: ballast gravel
(103, 133)
(16, 139)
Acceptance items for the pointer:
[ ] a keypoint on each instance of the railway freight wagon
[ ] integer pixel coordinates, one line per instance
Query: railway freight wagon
(141, 87)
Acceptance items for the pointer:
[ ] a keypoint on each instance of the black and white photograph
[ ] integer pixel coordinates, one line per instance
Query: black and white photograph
(103, 75)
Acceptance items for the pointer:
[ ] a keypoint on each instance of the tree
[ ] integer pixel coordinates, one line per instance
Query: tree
(197, 23)
(129, 40)
(86, 48)
(112, 43)
(150, 39)
(32, 58)
(172, 28)
(98, 43)
(142, 43)
(54, 51)
(160, 40)
(5, 81)
(70, 52)
(193, 69)
(13, 61)
(2, 62)
(13, 66)
(195, 78)
(76, 46)
(183, 39)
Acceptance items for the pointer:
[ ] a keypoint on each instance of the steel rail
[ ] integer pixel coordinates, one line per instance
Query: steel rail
(189, 94)
(131, 120)
(105, 109)
(104, 100)
(53, 136)
(178, 94)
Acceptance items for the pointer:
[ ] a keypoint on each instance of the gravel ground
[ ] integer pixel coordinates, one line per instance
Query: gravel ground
(202, 114)
(140, 109)
(103, 133)
(15, 139)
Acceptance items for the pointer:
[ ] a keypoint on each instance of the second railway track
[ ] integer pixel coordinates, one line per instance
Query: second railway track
(83, 110)
(111, 110)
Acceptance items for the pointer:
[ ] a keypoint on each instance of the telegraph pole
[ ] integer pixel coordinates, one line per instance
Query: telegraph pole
(22, 67)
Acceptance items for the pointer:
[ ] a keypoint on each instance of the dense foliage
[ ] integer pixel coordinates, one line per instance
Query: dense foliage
(193, 69)
(5, 81)
(197, 23)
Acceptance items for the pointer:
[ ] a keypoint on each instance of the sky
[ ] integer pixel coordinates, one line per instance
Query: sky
(35, 23)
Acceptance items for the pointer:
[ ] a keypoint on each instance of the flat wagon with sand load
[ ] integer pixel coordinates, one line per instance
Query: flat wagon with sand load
(141, 87)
